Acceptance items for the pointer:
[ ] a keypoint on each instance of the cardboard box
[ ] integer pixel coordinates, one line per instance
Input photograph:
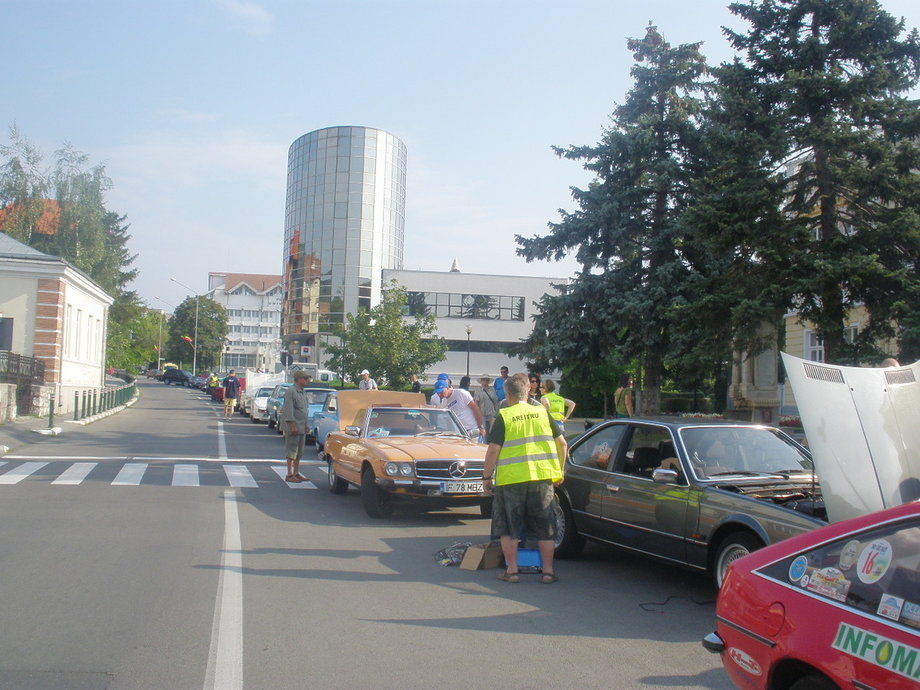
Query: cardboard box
(482, 556)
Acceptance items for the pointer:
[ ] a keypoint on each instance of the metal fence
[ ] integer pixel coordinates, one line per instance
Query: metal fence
(90, 402)
(27, 373)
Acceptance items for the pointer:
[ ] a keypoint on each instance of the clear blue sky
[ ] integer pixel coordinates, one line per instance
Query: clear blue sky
(192, 105)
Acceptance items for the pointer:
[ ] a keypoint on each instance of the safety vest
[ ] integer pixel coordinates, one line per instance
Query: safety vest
(556, 406)
(529, 451)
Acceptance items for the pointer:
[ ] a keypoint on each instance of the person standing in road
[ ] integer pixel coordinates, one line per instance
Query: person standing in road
(500, 383)
(366, 383)
(416, 384)
(294, 419)
(560, 409)
(623, 397)
(462, 405)
(231, 386)
(487, 400)
(524, 461)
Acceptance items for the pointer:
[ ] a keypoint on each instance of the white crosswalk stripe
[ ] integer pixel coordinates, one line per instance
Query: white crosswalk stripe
(185, 475)
(282, 473)
(75, 474)
(131, 474)
(135, 473)
(239, 476)
(16, 475)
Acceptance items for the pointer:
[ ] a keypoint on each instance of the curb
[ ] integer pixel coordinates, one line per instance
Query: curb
(101, 415)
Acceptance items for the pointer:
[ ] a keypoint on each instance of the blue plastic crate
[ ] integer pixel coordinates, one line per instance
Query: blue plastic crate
(529, 561)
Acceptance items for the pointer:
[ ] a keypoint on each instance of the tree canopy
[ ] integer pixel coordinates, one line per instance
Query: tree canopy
(211, 331)
(383, 342)
(723, 198)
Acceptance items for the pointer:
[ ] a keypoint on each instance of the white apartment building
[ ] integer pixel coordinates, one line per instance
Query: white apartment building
(253, 303)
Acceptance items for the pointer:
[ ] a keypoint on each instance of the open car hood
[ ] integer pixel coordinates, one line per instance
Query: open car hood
(863, 429)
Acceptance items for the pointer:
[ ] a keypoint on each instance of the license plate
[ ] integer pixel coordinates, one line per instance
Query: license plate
(461, 487)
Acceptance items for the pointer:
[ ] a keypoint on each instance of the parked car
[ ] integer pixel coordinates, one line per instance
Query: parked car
(325, 420)
(180, 377)
(837, 607)
(395, 448)
(700, 494)
(274, 403)
(258, 403)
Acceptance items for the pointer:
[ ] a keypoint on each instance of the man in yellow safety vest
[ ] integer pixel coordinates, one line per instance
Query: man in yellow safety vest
(524, 460)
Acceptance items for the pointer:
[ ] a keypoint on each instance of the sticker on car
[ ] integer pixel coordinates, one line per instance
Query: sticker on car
(745, 661)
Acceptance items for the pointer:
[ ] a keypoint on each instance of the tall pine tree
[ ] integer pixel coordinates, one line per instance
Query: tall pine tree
(831, 78)
(628, 234)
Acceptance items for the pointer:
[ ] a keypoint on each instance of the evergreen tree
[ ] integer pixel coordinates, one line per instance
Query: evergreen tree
(830, 77)
(628, 235)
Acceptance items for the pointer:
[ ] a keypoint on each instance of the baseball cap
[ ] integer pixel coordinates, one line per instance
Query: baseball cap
(365, 371)
(440, 386)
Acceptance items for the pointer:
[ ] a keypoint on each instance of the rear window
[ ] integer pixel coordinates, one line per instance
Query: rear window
(876, 571)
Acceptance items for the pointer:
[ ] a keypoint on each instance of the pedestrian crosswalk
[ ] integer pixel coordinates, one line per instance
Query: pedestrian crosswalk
(187, 474)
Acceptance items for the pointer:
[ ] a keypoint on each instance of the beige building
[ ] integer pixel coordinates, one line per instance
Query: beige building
(52, 312)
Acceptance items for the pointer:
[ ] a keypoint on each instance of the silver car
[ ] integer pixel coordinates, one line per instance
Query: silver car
(700, 494)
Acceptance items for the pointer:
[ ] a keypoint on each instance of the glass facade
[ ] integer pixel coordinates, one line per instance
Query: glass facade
(344, 223)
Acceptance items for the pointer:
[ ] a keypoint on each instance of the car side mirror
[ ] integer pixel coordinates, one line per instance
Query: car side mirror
(662, 476)
(353, 430)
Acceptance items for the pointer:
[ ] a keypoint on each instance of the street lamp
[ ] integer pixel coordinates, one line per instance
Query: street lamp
(195, 341)
(469, 329)
(160, 343)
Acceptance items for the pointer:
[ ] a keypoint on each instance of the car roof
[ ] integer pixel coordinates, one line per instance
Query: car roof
(677, 423)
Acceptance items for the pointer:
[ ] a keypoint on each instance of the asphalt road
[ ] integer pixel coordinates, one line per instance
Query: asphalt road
(161, 548)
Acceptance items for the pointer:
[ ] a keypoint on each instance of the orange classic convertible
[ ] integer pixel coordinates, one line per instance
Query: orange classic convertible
(394, 447)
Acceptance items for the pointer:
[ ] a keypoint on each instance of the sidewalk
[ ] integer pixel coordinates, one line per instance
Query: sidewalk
(25, 430)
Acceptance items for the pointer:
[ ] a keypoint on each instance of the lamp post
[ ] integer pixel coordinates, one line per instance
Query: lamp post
(195, 341)
(469, 329)
(160, 345)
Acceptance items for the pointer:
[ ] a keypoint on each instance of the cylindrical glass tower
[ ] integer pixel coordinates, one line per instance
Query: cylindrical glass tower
(344, 224)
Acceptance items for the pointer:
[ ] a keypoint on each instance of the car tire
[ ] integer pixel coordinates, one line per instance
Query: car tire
(734, 546)
(319, 446)
(337, 485)
(376, 502)
(814, 681)
(271, 423)
(569, 542)
(253, 419)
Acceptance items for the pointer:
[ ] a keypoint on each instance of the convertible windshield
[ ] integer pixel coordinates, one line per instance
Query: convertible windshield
(745, 451)
(382, 422)
(265, 391)
(315, 397)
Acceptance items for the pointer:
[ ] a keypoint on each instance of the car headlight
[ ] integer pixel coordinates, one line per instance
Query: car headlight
(400, 469)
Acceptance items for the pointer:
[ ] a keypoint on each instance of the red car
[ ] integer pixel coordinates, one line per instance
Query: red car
(838, 607)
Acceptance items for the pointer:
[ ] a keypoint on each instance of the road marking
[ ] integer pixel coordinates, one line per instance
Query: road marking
(131, 474)
(21, 472)
(221, 443)
(240, 476)
(282, 472)
(225, 656)
(75, 474)
(185, 475)
(155, 458)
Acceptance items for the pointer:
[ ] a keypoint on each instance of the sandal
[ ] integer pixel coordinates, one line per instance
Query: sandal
(295, 478)
(513, 578)
(549, 578)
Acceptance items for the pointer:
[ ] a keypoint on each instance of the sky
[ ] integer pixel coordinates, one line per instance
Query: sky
(192, 105)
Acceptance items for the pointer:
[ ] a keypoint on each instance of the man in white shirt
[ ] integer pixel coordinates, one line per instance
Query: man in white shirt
(462, 404)
(367, 383)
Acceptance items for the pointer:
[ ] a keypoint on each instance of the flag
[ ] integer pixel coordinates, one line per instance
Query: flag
(156, 348)
(187, 339)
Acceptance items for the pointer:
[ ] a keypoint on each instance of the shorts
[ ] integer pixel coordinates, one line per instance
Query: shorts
(524, 510)
(293, 446)
(229, 402)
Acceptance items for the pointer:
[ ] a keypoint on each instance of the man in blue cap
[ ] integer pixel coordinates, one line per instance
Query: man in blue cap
(462, 404)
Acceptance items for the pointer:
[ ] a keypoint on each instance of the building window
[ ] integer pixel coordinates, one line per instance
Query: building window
(814, 347)
(68, 330)
(78, 336)
(454, 305)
